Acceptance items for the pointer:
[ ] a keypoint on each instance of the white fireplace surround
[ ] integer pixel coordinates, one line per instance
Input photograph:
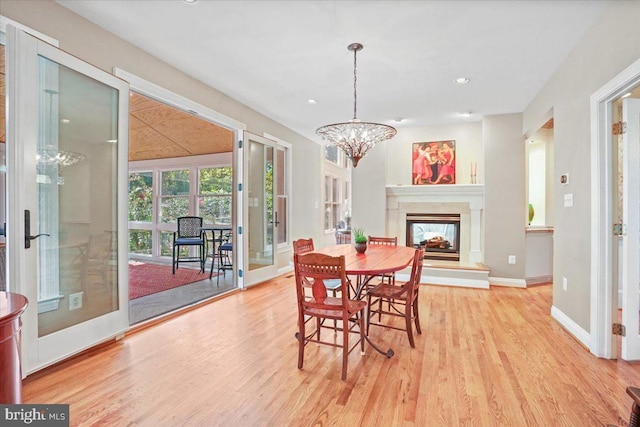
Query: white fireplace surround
(464, 199)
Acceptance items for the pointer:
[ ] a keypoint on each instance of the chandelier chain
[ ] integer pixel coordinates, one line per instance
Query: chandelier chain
(355, 81)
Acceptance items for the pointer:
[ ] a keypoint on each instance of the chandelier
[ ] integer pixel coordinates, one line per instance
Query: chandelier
(355, 137)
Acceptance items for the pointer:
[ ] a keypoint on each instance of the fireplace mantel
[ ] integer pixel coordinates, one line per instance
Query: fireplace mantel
(467, 193)
(464, 199)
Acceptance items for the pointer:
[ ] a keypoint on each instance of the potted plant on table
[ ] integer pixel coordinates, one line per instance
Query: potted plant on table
(360, 240)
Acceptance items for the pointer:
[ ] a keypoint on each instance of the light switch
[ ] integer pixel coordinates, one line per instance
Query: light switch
(568, 200)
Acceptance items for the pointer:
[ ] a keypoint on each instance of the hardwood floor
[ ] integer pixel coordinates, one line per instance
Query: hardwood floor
(485, 358)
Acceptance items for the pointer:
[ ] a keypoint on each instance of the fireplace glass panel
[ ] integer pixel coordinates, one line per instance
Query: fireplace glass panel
(438, 234)
(442, 236)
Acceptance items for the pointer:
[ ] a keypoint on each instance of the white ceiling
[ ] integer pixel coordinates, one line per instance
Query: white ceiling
(274, 55)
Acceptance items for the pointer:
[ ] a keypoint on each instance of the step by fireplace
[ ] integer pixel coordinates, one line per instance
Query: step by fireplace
(438, 234)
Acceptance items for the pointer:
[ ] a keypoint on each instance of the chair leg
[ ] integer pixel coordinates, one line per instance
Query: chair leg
(407, 321)
(301, 339)
(416, 316)
(368, 314)
(345, 347)
(362, 336)
(202, 258)
(173, 260)
(335, 322)
(211, 271)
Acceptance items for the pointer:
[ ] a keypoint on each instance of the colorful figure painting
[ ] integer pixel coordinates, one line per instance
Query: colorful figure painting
(434, 163)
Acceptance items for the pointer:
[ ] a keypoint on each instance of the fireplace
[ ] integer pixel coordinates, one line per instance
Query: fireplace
(438, 234)
(460, 199)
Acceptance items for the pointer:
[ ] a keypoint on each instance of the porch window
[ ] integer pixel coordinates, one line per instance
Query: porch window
(215, 194)
(174, 196)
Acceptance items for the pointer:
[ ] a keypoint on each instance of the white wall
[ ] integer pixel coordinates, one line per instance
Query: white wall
(369, 196)
(610, 46)
(505, 206)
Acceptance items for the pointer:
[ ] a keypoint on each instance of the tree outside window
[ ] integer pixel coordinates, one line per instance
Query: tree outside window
(215, 195)
(140, 210)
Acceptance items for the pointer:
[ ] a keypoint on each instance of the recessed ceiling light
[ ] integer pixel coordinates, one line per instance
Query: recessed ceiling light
(461, 80)
(65, 120)
(398, 119)
(466, 113)
(189, 1)
(311, 101)
(626, 95)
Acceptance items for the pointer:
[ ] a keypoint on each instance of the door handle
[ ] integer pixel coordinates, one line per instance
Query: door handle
(27, 230)
(277, 222)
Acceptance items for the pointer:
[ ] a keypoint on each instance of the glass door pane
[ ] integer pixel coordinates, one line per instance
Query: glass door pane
(261, 212)
(76, 166)
(261, 227)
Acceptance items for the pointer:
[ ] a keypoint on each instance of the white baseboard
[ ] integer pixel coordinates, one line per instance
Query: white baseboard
(461, 278)
(539, 279)
(450, 281)
(505, 281)
(572, 327)
(285, 269)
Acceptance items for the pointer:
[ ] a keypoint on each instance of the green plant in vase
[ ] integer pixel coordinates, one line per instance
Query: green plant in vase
(360, 240)
(532, 212)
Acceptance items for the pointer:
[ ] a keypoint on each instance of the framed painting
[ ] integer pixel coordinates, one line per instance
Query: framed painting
(434, 163)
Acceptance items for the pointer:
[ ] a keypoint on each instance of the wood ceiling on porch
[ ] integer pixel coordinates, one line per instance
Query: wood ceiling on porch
(159, 131)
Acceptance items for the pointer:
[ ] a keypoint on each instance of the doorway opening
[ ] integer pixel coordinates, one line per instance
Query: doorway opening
(181, 163)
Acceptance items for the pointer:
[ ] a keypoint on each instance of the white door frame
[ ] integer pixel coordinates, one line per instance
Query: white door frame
(258, 275)
(165, 96)
(603, 301)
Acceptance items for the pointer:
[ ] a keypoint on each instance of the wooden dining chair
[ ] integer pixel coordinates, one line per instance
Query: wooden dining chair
(389, 241)
(312, 270)
(303, 246)
(401, 301)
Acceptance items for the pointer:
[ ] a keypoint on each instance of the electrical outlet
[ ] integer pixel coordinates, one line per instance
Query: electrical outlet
(564, 283)
(75, 301)
(512, 259)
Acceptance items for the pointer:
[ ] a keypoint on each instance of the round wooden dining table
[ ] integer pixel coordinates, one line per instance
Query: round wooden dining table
(377, 260)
